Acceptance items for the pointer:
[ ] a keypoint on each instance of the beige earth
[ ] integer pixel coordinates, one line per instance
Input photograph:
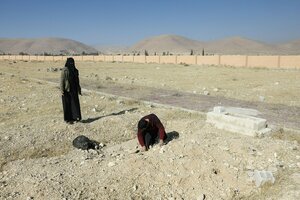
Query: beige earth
(38, 160)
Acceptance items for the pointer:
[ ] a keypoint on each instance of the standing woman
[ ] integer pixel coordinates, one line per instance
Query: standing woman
(70, 88)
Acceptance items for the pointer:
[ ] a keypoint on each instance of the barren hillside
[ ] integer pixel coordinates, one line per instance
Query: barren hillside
(167, 43)
(239, 45)
(44, 45)
(234, 45)
(291, 47)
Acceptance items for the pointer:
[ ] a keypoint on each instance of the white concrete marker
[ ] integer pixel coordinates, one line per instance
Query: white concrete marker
(238, 120)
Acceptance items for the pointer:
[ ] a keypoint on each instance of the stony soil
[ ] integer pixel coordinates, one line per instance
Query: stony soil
(38, 161)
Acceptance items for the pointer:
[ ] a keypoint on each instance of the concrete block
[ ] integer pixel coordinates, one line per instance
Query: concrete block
(236, 110)
(243, 111)
(235, 122)
(219, 109)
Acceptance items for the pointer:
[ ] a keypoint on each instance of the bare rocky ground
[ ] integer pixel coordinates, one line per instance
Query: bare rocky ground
(38, 161)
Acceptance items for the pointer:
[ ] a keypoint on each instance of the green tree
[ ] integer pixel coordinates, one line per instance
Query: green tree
(146, 53)
(192, 52)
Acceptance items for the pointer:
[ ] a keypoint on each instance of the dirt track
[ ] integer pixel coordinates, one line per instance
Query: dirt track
(277, 114)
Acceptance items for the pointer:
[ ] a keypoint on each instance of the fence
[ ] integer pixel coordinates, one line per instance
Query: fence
(227, 60)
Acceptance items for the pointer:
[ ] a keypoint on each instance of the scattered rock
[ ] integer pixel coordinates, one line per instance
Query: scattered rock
(107, 78)
(53, 69)
(111, 164)
(261, 98)
(262, 177)
(135, 187)
(206, 92)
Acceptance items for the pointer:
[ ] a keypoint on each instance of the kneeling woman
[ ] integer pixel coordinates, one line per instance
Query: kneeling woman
(150, 130)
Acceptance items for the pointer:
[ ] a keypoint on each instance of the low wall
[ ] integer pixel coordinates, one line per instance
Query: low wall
(192, 60)
(140, 59)
(168, 60)
(118, 58)
(99, 58)
(208, 60)
(289, 62)
(87, 58)
(236, 61)
(128, 59)
(263, 61)
(227, 60)
(152, 59)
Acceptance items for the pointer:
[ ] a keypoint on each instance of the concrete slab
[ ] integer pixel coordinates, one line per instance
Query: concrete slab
(237, 110)
(232, 120)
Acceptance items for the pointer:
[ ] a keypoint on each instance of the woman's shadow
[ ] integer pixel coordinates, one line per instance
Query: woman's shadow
(90, 120)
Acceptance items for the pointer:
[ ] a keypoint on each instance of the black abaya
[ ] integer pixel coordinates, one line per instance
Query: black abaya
(70, 99)
(71, 107)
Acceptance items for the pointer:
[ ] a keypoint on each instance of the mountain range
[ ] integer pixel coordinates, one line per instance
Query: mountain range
(162, 44)
(54, 46)
(235, 45)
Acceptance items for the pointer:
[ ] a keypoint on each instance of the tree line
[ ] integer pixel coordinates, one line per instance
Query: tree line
(134, 53)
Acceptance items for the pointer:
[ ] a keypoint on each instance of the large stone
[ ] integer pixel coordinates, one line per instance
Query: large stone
(262, 177)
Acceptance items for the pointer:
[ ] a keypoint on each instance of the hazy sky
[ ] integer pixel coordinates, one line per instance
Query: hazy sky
(125, 22)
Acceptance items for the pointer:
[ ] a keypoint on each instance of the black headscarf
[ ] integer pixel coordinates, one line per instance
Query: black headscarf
(73, 72)
(70, 64)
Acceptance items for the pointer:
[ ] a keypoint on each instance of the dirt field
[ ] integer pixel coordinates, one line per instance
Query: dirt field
(38, 161)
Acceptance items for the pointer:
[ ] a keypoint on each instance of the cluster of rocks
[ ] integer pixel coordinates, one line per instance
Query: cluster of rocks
(54, 69)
